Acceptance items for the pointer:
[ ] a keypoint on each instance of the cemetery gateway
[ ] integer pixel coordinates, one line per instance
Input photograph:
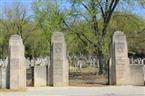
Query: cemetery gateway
(53, 70)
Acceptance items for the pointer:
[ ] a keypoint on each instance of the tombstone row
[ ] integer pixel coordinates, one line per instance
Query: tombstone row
(74, 61)
(137, 61)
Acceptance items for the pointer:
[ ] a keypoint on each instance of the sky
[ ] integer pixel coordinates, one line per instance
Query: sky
(8, 3)
(27, 3)
(139, 11)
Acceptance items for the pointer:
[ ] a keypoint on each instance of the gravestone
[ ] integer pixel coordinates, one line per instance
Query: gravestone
(16, 66)
(59, 65)
(119, 70)
(39, 76)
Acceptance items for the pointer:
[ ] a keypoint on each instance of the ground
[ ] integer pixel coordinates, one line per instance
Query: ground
(86, 77)
(84, 82)
(80, 91)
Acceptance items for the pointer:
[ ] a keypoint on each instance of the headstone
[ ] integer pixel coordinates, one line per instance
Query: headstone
(119, 73)
(16, 67)
(39, 76)
(137, 74)
(59, 64)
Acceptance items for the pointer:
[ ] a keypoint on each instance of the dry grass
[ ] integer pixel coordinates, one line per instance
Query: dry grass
(12, 90)
(86, 77)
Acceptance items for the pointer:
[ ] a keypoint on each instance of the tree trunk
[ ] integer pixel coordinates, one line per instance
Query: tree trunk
(1, 51)
(101, 62)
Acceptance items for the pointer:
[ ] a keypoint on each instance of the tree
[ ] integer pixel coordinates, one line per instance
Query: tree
(48, 18)
(76, 43)
(13, 21)
(133, 26)
(98, 14)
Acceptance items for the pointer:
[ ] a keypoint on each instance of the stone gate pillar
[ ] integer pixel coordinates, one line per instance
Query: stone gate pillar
(119, 70)
(16, 66)
(59, 65)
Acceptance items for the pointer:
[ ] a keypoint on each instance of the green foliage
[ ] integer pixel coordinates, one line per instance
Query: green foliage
(48, 19)
(78, 44)
(133, 27)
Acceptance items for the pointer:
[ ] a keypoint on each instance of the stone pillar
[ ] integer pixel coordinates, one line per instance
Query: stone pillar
(16, 66)
(59, 64)
(119, 70)
(2, 77)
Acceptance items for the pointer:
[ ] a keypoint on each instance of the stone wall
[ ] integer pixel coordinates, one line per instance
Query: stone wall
(137, 74)
(39, 76)
(2, 77)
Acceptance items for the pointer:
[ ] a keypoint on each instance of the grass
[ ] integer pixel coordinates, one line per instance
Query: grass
(86, 77)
